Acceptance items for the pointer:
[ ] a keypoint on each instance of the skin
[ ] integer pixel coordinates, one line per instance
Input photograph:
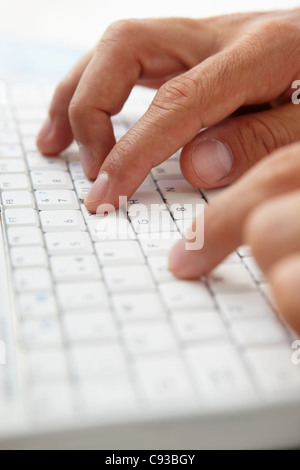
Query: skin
(231, 75)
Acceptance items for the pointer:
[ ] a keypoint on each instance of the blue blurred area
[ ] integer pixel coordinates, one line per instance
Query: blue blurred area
(21, 60)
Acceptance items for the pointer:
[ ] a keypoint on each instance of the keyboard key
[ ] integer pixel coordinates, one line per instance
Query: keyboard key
(37, 304)
(219, 373)
(9, 137)
(110, 229)
(51, 180)
(157, 221)
(82, 187)
(28, 256)
(37, 162)
(231, 277)
(82, 296)
(69, 268)
(13, 165)
(242, 305)
(41, 333)
(153, 245)
(56, 200)
(51, 401)
(17, 199)
(149, 337)
(160, 269)
(186, 208)
(67, 243)
(29, 128)
(46, 366)
(145, 201)
(90, 326)
(274, 370)
(176, 186)
(18, 236)
(179, 295)
(258, 331)
(170, 169)
(120, 279)
(163, 380)
(32, 279)
(198, 326)
(18, 217)
(137, 307)
(54, 221)
(11, 151)
(119, 253)
(14, 181)
(76, 171)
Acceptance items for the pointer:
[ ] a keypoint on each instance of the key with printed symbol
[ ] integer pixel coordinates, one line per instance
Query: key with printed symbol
(54, 221)
(63, 243)
(119, 253)
(28, 256)
(69, 268)
(32, 279)
(49, 199)
(179, 295)
(37, 304)
(18, 236)
(136, 307)
(12, 165)
(17, 217)
(120, 279)
(11, 151)
(82, 296)
(37, 162)
(155, 244)
(51, 180)
(82, 187)
(17, 199)
(14, 181)
(76, 171)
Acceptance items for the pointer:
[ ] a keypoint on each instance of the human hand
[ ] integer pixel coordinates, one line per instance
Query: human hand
(261, 209)
(206, 70)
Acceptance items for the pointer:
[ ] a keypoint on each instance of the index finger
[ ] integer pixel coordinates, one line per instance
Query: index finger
(225, 217)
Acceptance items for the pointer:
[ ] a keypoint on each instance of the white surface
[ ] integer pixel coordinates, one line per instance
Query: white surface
(81, 23)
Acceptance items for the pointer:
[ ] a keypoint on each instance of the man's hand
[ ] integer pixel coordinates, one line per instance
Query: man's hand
(206, 70)
(263, 210)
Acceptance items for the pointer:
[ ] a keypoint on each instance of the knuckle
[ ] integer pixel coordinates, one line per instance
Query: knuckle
(120, 29)
(76, 111)
(178, 94)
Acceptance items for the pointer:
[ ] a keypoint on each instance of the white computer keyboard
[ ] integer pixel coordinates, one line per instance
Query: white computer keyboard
(101, 324)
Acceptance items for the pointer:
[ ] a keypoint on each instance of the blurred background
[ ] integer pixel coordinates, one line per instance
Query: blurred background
(46, 36)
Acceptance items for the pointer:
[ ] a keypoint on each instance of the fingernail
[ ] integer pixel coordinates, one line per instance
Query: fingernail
(46, 130)
(99, 189)
(211, 159)
(87, 159)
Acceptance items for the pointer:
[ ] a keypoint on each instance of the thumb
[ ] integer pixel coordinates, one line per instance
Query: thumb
(221, 154)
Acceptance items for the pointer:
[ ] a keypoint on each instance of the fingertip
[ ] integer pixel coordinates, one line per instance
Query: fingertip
(53, 138)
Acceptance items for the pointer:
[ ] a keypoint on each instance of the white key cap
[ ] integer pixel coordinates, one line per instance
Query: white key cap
(12, 165)
(145, 201)
(51, 180)
(56, 199)
(18, 236)
(82, 296)
(37, 304)
(82, 187)
(231, 277)
(29, 144)
(219, 373)
(179, 295)
(69, 268)
(147, 185)
(160, 269)
(9, 137)
(254, 269)
(42, 332)
(37, 162)
(17, 199)
(153, 245)
(198, 326)
(11, 151)
(29, 128)
(110, 229)
(98, 361)
(149, 337)
(32, 279)
(274, 369)
(119, 253)
(244, 250)
(46, 366)
(68, 243)
(243, 305)
(157, 221)
(186, 208)
(17, 217)
(14, 181)
(76, 171)
(176, 186)
(170, 169)
(163, 380)
(90, 326)
(28, 256)
(120, 279)
(51, 401)
(137, 307)
(258, 331)
(54, 221)
(88, 216)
